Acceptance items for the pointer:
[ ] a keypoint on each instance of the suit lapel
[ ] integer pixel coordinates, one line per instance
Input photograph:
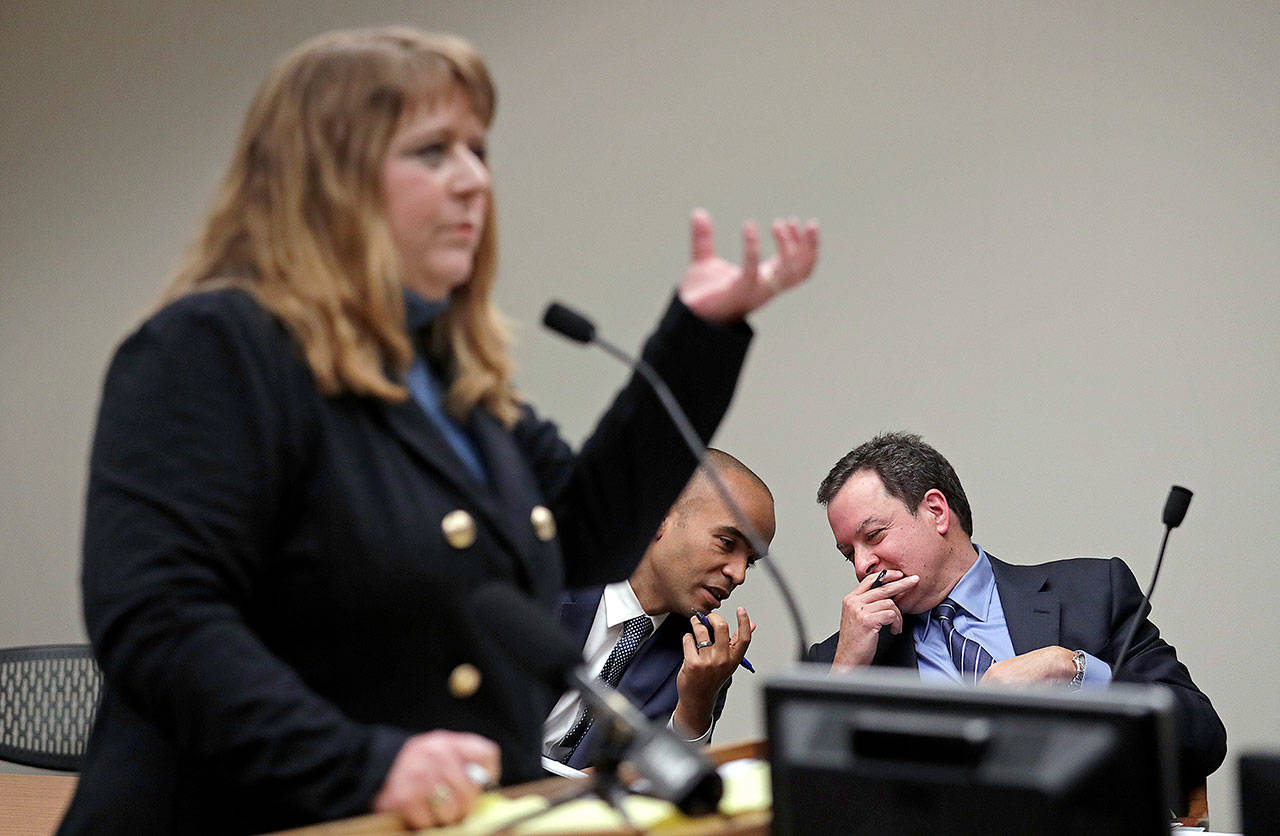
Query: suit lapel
(655, 662)
(1031, 609)
(415, 431)
(578, 612)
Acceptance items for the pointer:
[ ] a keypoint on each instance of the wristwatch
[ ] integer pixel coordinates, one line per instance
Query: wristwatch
(1078, 679)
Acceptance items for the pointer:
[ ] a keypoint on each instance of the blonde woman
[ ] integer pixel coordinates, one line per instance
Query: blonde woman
(313, 452)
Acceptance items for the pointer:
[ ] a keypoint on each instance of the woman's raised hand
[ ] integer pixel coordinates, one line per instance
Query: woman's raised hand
(721, 291)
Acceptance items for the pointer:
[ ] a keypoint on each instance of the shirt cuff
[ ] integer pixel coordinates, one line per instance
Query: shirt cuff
(1097, 673)
(701, 740)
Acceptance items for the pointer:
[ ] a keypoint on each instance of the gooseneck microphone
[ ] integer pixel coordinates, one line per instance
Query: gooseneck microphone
(1175, 510)
(1175, 507)
(570, 324)
(669, 768)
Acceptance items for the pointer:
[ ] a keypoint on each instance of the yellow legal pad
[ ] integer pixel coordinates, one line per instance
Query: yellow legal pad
(746, 790)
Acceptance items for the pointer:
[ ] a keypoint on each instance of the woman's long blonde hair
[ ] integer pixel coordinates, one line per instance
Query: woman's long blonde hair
(299, 220)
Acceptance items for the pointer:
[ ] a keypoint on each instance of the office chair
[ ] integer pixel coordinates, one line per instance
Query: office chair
(48, 697)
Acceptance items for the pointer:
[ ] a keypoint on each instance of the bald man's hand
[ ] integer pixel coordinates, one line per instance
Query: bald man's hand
(706, 669)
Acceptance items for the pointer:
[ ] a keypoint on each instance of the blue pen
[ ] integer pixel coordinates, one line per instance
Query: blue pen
(744, 663)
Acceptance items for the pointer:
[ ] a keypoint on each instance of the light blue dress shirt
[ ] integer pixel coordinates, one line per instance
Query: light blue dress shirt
(980, 618)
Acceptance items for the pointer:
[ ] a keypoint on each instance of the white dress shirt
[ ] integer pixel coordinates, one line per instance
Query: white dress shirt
(618, 605)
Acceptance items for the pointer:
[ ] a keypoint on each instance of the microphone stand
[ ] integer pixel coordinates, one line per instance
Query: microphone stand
(1175, 509)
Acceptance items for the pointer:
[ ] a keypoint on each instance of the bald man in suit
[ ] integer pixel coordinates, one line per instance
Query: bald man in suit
(681, 670)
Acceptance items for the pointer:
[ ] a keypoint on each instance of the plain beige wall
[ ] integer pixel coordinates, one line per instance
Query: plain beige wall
(1051, 243)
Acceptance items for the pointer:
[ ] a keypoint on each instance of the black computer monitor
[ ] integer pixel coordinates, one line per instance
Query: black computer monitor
(1259, 776)
(879, 752)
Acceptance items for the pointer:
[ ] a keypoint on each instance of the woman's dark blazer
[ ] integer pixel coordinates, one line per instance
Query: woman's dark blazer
(268, 581)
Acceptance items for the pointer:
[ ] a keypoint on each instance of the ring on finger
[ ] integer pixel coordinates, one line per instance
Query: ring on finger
(440, 796)
(705, 644)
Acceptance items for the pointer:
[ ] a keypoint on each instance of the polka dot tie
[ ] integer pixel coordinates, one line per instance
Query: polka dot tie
(970, 658)
(634, 632)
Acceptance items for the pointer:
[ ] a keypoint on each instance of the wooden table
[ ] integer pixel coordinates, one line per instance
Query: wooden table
(32, 805)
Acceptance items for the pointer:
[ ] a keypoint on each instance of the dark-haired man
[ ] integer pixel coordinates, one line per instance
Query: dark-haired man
(956, 613)
(643, 629)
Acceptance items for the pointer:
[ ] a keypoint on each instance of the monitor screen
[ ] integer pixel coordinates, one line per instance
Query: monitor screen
(878, 751)
(1259, 777)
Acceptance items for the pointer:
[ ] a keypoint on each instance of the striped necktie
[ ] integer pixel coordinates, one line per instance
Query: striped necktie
(634, 632)
(970, 658)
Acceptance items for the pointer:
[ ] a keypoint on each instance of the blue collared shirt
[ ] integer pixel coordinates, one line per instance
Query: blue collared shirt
(980, 618)
(427, 392)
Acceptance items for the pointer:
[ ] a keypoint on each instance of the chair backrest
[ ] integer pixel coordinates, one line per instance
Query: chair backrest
(48, 697)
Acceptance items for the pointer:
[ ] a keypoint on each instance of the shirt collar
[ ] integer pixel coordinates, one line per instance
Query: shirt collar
(622, 605)
(974, 592)
(975, 589)
(419, 311)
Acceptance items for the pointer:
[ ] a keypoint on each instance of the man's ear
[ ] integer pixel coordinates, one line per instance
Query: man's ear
(662, 527)
(935, 505)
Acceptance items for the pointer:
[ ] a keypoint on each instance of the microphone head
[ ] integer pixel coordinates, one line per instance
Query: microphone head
(1175, 507)
(569, 323)
(530, 636)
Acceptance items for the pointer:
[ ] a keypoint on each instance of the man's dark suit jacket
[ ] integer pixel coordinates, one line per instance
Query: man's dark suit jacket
(269, 586)
(1085, 604)
(649, 681)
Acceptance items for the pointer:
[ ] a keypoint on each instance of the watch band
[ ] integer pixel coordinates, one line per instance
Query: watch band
(1077, 680)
